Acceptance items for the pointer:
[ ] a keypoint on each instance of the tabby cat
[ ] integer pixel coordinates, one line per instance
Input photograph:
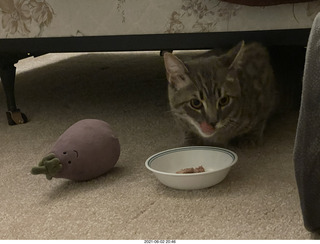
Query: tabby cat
(219, 99)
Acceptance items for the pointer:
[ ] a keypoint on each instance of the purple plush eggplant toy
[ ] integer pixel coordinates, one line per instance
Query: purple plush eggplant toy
(86, 150)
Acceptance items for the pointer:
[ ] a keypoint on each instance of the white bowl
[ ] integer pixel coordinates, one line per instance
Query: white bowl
(216, 162)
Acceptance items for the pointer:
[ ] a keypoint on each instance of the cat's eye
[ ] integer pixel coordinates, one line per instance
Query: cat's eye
(196, 104)
(224, 101)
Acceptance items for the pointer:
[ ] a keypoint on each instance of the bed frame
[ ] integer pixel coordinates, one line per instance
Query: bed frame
(12, 50)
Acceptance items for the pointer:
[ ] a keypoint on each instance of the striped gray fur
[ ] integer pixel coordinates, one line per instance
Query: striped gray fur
(218, 99)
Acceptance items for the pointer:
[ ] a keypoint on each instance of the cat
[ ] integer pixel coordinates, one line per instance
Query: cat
(222, 99)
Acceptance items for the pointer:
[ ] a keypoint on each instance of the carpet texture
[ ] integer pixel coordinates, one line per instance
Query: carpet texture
(257, 200)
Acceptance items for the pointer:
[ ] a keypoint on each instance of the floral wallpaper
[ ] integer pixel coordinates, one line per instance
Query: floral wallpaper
(206, 15)
(20, 16)
(55, 18)
(211, 15)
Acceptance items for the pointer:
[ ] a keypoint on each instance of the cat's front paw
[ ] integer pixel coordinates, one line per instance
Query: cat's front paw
(191, 140)
(247, 141)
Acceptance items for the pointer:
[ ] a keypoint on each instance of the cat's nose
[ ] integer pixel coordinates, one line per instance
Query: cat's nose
(212, 120)
(213, 124)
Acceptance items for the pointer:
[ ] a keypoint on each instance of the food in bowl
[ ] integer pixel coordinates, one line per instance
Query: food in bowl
(199, 169)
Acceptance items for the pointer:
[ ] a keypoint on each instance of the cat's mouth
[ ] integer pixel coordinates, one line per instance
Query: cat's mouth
(203, 128)
(207, 129)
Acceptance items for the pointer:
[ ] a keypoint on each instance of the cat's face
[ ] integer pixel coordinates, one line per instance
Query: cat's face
(205, 93)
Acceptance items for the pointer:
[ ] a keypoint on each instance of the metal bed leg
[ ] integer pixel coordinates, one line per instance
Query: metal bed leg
(7, 74)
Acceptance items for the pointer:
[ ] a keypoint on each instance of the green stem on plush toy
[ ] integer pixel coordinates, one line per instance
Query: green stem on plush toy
(49, 165)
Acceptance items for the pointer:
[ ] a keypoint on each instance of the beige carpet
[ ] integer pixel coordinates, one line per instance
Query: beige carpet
(258, 199)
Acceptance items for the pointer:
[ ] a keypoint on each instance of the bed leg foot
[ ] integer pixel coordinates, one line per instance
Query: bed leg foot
(8, 74)
(16, 117)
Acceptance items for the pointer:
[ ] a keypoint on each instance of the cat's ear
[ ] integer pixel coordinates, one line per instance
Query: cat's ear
(176, 70)
(233, 58)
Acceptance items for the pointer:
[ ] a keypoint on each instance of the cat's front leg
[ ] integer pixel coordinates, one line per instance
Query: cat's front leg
(253, 138)
(191, 139)
(195, 140)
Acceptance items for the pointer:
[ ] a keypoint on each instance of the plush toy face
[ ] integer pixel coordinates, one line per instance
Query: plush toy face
(84, 151)
(69, 158)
